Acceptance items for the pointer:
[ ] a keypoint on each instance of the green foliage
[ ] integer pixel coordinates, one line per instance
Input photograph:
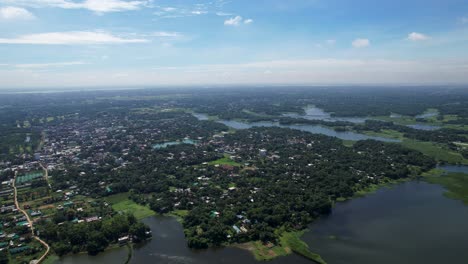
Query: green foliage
(122, 203)
(225, 161)
(455, 183)
(92, 237)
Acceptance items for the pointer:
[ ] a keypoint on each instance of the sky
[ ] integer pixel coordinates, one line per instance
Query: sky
(130, 43)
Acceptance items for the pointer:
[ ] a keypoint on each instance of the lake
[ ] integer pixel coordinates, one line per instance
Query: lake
(410, 223)
(315, 113)
(316, 129)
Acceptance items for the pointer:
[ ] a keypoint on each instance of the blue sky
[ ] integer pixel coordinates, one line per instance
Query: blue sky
(64, 43)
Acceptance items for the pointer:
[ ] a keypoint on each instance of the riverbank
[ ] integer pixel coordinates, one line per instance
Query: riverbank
(456, 184)
(289, 242)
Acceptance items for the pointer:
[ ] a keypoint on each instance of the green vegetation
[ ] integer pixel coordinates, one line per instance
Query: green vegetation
(122, 203)
(293, 241)
(225, 161)
(51, 259)
(265, 252)
(455, 183)
(288, 242)
(438, 151)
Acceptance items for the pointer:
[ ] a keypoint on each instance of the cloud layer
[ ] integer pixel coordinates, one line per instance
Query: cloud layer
(15, 13)
(415, 36)
(237, 20)
(293, 72)
(99, 6)
(70, 38)
(361, 43)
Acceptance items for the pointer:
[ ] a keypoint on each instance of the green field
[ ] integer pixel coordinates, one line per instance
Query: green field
(437, 151)
(121, 203)
(293, 241)
(288, 242)
(455, 183)
(225, 161)
(29, 177)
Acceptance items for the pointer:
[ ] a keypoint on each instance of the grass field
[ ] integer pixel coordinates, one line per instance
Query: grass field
(289, 242)
(437, 151)
(225, 161)
(293, 241)
(121, 202)
(455, 183)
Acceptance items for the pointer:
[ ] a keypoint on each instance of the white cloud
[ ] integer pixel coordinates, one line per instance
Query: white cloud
(13, 13)
(235, 21)
(464, 20)
(223, 14)
(98, 6)
(70, 38)
(199, 12)
(417, 36)
(361, 43)
(182, 11)
(331, 42)
(165, 34)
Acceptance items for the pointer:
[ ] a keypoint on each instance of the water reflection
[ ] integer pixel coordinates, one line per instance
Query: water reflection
(315, 113)
(316, 129)
(410, 223)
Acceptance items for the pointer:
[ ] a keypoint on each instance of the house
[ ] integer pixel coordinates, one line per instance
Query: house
(124, 240)
(236, 228)
(92, 219)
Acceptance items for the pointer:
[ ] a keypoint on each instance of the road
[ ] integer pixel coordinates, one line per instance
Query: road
(31, 224)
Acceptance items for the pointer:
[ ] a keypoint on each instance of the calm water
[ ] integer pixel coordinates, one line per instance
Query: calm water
(167, 144)
(424, 127)
(410, 223)
(315, 113)
(168, 246)
(454, 168)
(316, 129)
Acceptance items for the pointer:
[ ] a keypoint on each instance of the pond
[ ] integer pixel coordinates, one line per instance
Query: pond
(167, 144)
(315, 113)
(316, 129)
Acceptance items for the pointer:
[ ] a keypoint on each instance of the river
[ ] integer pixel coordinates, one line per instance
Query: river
(412, 222)
(315, 129)
(315, 113)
